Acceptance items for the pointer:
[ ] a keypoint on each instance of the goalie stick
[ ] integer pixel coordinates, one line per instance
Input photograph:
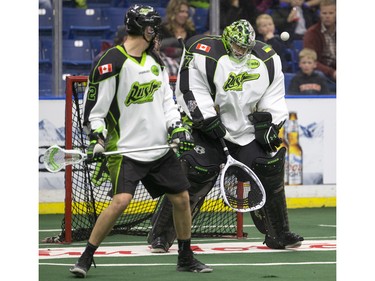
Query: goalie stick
(241, 189)
(56, 158)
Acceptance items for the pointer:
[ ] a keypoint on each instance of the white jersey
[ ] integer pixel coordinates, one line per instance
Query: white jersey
(210, 81)
(133, 101)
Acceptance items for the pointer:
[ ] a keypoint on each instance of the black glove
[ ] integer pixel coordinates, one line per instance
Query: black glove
(266, 133)
(181, 135)
(213, 127)
(96, 147)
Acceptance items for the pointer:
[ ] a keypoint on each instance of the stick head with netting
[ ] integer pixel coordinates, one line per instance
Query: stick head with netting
(56, 158)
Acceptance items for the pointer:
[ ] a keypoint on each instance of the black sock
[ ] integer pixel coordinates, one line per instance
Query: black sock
(90, 249)
(184, 245)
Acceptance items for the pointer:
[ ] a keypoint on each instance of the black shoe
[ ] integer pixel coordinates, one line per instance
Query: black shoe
(82, 265)
(159, 245)
(286, 240)
(189, 263)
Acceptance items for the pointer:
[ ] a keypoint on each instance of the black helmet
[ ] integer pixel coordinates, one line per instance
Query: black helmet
(138, 17)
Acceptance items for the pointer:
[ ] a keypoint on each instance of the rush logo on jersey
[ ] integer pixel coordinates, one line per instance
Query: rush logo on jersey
(105, 68)
(203, 47)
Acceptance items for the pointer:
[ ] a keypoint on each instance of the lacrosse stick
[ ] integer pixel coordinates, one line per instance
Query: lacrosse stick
(56, 158)
(250, 196)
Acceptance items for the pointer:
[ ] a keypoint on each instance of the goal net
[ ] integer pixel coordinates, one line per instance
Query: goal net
(88, 188)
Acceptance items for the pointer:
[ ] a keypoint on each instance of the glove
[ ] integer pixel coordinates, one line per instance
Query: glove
(266, 133)
(96, 147)
(181, 135)
(213, 127)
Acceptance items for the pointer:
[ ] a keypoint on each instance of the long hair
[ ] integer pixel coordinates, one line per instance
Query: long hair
(173, 9)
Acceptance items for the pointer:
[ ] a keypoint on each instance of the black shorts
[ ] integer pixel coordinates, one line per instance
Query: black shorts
(164, 175)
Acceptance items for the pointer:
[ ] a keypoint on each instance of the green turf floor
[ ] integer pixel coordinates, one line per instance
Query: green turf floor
(312, 223)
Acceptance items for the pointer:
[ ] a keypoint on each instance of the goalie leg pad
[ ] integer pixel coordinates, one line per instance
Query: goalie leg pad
(272, 219)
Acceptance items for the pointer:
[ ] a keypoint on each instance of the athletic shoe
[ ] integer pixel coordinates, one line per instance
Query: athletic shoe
(189, 263)
(159, 245)
(82, 265)
(286, 240)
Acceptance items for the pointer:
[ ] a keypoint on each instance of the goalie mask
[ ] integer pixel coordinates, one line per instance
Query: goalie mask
(239, 39)
(140, 19)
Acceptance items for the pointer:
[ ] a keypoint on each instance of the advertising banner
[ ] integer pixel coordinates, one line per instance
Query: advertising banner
(314, 130)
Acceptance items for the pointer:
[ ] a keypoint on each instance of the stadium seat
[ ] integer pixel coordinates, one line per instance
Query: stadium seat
(200, 18)
(99, 3)
(45, 54)
(97, 45)
(162, 11)
(291, 58)
(76, 56)
(45, 22)
(297, 45)
(84, 24)
(153, 3)
(45, 84)
(120, 3)
(287, 78)
(113, 17)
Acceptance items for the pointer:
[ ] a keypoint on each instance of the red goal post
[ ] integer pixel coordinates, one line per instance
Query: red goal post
(87, 189)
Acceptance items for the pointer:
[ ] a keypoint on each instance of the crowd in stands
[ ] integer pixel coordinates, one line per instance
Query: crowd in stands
(311, 25)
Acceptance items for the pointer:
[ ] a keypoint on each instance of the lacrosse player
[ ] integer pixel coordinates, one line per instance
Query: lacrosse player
(128, 103)
(232, 87)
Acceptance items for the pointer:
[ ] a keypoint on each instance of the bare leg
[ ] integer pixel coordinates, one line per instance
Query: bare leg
(102, 227)
(108, 217)
(181, 214)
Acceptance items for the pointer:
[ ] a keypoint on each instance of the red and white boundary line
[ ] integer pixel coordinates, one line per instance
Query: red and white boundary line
(205, 248)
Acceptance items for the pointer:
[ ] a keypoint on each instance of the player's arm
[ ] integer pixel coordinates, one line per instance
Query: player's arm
(273, 100)
(195, 95)
(97, 99)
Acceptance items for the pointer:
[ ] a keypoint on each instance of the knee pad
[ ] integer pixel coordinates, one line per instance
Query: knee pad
(270, 171)
(201, 177)
(198, 167)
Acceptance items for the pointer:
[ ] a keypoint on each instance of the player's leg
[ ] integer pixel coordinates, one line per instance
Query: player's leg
(200, 166)
(123, 193)
(272, 219)
(182, 223)
(103, 226)
(167, 177)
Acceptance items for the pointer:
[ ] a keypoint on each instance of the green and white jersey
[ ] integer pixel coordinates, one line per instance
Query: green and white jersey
(132, 100)
(210, 81)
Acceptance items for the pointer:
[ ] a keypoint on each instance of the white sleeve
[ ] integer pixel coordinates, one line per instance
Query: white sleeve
(273, 100)
(104, 93)
(200, 95)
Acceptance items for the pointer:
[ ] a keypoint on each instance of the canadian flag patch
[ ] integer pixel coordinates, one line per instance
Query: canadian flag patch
(203, 47)
(105, 68)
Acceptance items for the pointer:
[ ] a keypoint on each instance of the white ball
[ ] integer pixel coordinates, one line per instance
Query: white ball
(284, 36)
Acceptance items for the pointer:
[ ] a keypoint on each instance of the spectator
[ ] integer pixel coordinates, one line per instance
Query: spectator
(265, 6)
(178, 23)
(171, 64)
(75, 4)
(294, 17)
(233, 10)
(266, 33)
(307, 80)
(321, 37)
